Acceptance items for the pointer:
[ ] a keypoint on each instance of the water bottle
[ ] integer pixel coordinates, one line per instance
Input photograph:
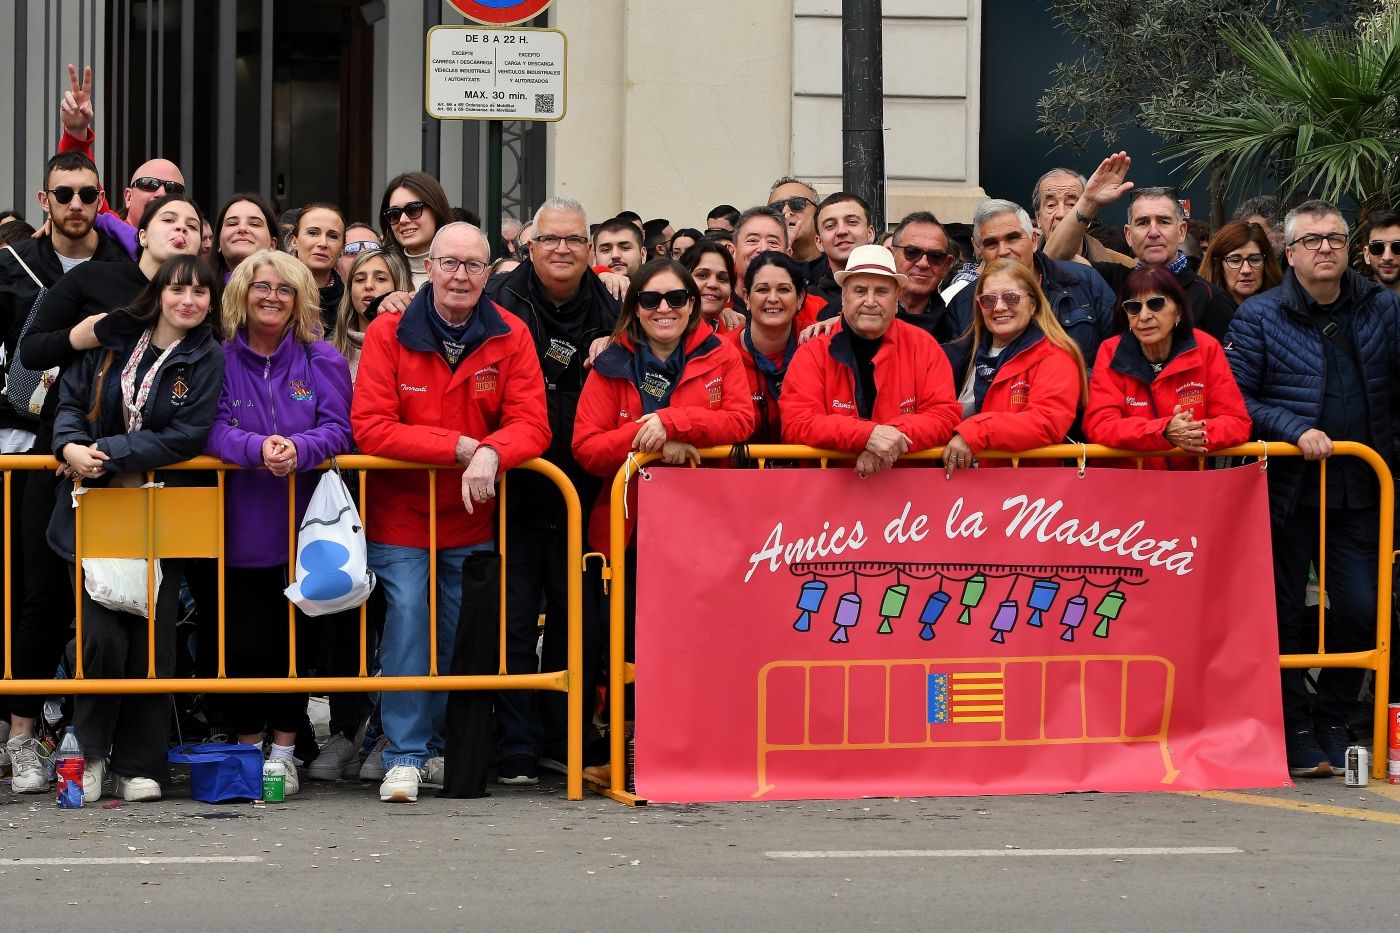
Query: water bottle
(68, 772)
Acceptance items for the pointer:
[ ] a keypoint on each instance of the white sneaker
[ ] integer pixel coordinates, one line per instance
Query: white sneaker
(93, 777)
(338, 759)
(29, 765)
(4, 755)
(433, 770)
(135, 789)
(400, 785)
(373, 768)
(291, 784)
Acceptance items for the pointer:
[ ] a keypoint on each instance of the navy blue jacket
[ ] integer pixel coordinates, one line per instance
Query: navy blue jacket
(1279, 358)
(1081, 298)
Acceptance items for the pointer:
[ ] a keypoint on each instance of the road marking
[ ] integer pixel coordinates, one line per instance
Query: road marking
(1381, 789)
(995, 853)
(140, 860)
(1323, 809)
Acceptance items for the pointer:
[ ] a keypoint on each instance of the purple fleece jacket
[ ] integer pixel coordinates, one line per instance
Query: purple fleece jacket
(300, 392)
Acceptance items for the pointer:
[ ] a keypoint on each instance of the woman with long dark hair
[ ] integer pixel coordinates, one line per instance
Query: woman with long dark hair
(245, 225)
(145, 398)
(413, 207)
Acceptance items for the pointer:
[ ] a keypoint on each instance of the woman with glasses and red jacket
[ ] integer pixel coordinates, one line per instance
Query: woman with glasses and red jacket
(665, 385)
(1022, 376)
(1162, 383)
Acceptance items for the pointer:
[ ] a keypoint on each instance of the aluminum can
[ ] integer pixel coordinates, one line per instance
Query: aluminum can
(274, 776)
(1358, 772)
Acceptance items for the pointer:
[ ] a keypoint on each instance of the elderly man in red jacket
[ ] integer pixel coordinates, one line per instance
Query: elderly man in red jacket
(875, 386)
(452, 381)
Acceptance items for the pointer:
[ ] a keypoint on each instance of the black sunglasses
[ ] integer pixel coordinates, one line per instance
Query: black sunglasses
(1155, 304)
(797, 204)
(912, 255)
(151, 183)
(650, 301)
(1375, 247)
(63, 194)
(414, 210)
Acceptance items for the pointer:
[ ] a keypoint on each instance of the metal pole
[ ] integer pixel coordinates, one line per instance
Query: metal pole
(265, 103)
(20, 65)
(863, 105)
(226, 42)
(187, 93)
(491, 209)
(432, 129)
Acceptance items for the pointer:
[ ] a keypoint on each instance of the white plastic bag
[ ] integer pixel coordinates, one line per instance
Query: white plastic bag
(119, 583)
(332, 571)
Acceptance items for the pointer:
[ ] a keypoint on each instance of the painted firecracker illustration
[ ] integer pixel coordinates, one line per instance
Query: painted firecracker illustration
(1038, 586)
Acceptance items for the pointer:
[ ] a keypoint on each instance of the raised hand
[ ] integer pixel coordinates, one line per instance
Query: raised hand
(75, 110)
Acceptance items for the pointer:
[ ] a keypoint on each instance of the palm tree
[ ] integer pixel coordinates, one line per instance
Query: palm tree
(1320, 112)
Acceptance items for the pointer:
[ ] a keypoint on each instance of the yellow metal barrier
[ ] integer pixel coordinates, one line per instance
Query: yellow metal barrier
(174, 522)
(1376, 660)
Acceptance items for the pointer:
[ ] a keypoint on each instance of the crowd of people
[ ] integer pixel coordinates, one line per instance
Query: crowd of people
(138, 338)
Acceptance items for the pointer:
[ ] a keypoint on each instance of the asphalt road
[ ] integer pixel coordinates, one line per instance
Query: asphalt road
(1317, 856)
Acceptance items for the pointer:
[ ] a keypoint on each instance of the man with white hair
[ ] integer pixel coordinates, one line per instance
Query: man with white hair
(1082, 300)
(452, 381)
(875, 386)
(565, 307)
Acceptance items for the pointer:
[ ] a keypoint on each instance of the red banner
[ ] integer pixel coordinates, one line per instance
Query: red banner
(807, 634)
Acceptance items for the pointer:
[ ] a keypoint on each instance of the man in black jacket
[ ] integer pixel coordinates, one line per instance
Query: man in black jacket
(566, 306)
(1155, 232)
(70, 198)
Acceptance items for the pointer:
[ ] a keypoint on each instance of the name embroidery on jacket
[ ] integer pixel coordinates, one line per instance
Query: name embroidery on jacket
(408, 388)
(839, 405)
(1133, 401)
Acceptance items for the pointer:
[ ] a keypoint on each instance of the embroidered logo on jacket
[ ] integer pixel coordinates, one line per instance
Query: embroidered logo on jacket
(301, 392)
(906, 407)
(714, 390)
(561, 351)
(1191, 393)
(180, 390)
(1020, 393)
(484, 380)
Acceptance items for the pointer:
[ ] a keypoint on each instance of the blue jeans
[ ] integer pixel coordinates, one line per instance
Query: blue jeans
(414, 720)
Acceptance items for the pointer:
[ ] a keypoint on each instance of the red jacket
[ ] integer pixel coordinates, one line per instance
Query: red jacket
(1031, 402)
(410, 405)
(767, 418)
(709, 406)
(913, 391)
(1127, 411)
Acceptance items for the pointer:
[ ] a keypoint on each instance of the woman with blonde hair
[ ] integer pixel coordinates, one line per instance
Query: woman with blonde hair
(285, 406)
(1241, 261)
(374, 273)
(1022, 376)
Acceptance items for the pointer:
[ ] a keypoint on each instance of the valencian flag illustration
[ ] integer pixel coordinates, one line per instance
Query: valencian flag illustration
(981, 635)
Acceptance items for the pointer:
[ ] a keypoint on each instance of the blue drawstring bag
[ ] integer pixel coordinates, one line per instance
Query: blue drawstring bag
(220, 772)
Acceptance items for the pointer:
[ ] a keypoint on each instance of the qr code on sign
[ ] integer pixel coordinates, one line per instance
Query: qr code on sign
(544, 103)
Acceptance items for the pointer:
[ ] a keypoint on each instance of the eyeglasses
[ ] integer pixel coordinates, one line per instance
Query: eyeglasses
(1375, 247)
(150, 183)
(450, 265)
(550, 241)
(263, 289)
(797, 204)
(1255, 260)
(1314, 241)
(912, 255)
(361, 246)
(414, 210)
(650, 301)
(1155, 304)
(988, 301)
(63, 194)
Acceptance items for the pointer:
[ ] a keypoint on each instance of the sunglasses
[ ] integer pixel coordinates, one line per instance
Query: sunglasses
(1375, 247)
(1155, 304)
(797, 204)
(360, 246)
(63, 194)
(650, 301)
(414, 210)
(912, 255)
(150, 183)
(988, 301)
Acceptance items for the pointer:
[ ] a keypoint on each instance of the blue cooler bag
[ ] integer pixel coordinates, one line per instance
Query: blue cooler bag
(221, 772)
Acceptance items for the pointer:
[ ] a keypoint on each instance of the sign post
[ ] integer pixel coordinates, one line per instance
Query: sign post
(493, 75)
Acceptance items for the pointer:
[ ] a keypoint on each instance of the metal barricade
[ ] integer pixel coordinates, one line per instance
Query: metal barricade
(1376, 660)
(188, 522)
